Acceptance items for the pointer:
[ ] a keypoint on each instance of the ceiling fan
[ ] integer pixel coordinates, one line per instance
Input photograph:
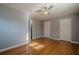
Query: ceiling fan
(45, 10)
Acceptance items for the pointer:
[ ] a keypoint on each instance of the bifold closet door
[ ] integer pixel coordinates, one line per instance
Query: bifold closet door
(47, 29)
(65, 29)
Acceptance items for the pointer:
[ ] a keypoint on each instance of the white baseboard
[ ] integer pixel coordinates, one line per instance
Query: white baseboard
(12, 47)
(37, 37)
(66, 40)
(74, 42)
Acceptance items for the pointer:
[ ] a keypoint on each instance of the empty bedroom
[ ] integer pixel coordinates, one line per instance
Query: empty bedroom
(39, 29)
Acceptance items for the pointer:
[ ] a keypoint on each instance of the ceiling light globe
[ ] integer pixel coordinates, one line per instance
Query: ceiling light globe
(45, 12)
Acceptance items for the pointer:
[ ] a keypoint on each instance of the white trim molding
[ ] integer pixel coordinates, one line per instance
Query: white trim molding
(66, 40)
(5, 49)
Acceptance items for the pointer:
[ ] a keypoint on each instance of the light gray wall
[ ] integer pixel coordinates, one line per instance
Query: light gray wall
(13, 27)
(75, 27)
(37, 28)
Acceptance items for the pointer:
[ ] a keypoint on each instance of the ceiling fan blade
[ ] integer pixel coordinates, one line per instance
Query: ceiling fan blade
(38, 10)
(50, 7)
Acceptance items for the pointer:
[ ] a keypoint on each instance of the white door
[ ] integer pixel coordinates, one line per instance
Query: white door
(65, 29)
(46, 29)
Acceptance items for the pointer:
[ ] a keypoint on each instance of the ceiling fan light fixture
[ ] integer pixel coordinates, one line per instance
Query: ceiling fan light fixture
(45, 12)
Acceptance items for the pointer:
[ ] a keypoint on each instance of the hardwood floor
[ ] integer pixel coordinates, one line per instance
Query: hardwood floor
(45, 46)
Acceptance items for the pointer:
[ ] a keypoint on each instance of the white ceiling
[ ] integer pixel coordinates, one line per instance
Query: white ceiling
(58, 10)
